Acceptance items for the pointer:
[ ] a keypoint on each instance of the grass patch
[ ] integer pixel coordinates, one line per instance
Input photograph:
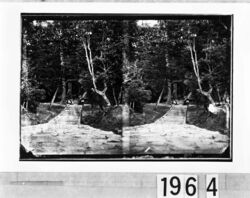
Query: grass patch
(111, 118)
(199, 117)
(149, 115)
(43, 115)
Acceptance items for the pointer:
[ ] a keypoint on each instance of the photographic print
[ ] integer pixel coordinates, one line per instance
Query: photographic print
(126, 87)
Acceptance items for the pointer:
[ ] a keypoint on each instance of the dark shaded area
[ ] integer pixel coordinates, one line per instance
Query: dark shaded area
(226, 153)
(44, 113)
(94, 99)
(150, 114)
(109, 16)
(198, 116)
(24, 154)
(146, 157)
(111, 118)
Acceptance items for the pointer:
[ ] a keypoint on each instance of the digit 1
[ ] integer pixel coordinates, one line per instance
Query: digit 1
(164, 186)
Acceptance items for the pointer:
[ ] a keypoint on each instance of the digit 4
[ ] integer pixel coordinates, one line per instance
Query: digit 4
(212, 186)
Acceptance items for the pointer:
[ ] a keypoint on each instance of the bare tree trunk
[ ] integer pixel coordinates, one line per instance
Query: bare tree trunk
(63, 97)
(113, 91)
(218, 93)
(169, 92)
(105, 98)
(169, 83)
(125, 66)
(88, 54)
(25, 84)
(54, 97)
(69, 91)
(175, 96)
(125, 115)
(227, 111)
(27, 104)
(188, 96)
(194, 59)
(160, 96)
(120, 97)
(62, 63)
(125, 61)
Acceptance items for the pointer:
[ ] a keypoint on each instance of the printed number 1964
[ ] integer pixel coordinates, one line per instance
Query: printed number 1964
(185, 186)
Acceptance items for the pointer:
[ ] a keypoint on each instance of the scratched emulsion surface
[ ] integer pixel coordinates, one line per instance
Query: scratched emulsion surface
(64, 135)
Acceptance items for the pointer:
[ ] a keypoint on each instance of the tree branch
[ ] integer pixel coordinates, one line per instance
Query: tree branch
(192, 58)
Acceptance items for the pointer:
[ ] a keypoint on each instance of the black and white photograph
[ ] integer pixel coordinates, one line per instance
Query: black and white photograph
(126, 87)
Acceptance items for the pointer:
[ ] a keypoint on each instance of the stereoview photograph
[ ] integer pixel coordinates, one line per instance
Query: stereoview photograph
(126, 87)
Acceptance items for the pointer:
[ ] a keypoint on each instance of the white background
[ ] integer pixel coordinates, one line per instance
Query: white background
(10, 58)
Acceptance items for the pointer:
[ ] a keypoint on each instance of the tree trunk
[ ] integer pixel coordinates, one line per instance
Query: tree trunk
(62, 63)
(169, 83)
(24, 57)
(25, 85)
(88, 54)
(227, 111)
(125, 66)
(125, 61)
(54, 97)
(106, 99)
(210, 98)
(125, 115)
(160, 96)
(69, 91)
(169, 92)
(175, 96)
(188, 96)
(218, 93)
(63, 96)
(120, 96)
(113, 91)
(196, 69)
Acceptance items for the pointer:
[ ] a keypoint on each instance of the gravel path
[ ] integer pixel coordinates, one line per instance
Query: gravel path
(64, 135)
(171, 135)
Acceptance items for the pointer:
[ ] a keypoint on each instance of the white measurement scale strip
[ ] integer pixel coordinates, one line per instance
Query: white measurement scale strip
(132, 185)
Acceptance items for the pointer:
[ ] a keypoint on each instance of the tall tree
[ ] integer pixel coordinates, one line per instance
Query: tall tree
(205, 46)
(99, 57)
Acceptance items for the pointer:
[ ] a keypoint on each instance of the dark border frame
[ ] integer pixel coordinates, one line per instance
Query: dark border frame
(157, 157)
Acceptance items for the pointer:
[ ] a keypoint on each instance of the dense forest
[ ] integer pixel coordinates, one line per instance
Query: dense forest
(115, 62)
(126, 86)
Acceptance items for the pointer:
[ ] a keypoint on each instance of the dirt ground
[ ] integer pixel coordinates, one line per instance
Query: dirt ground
(168, 135)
